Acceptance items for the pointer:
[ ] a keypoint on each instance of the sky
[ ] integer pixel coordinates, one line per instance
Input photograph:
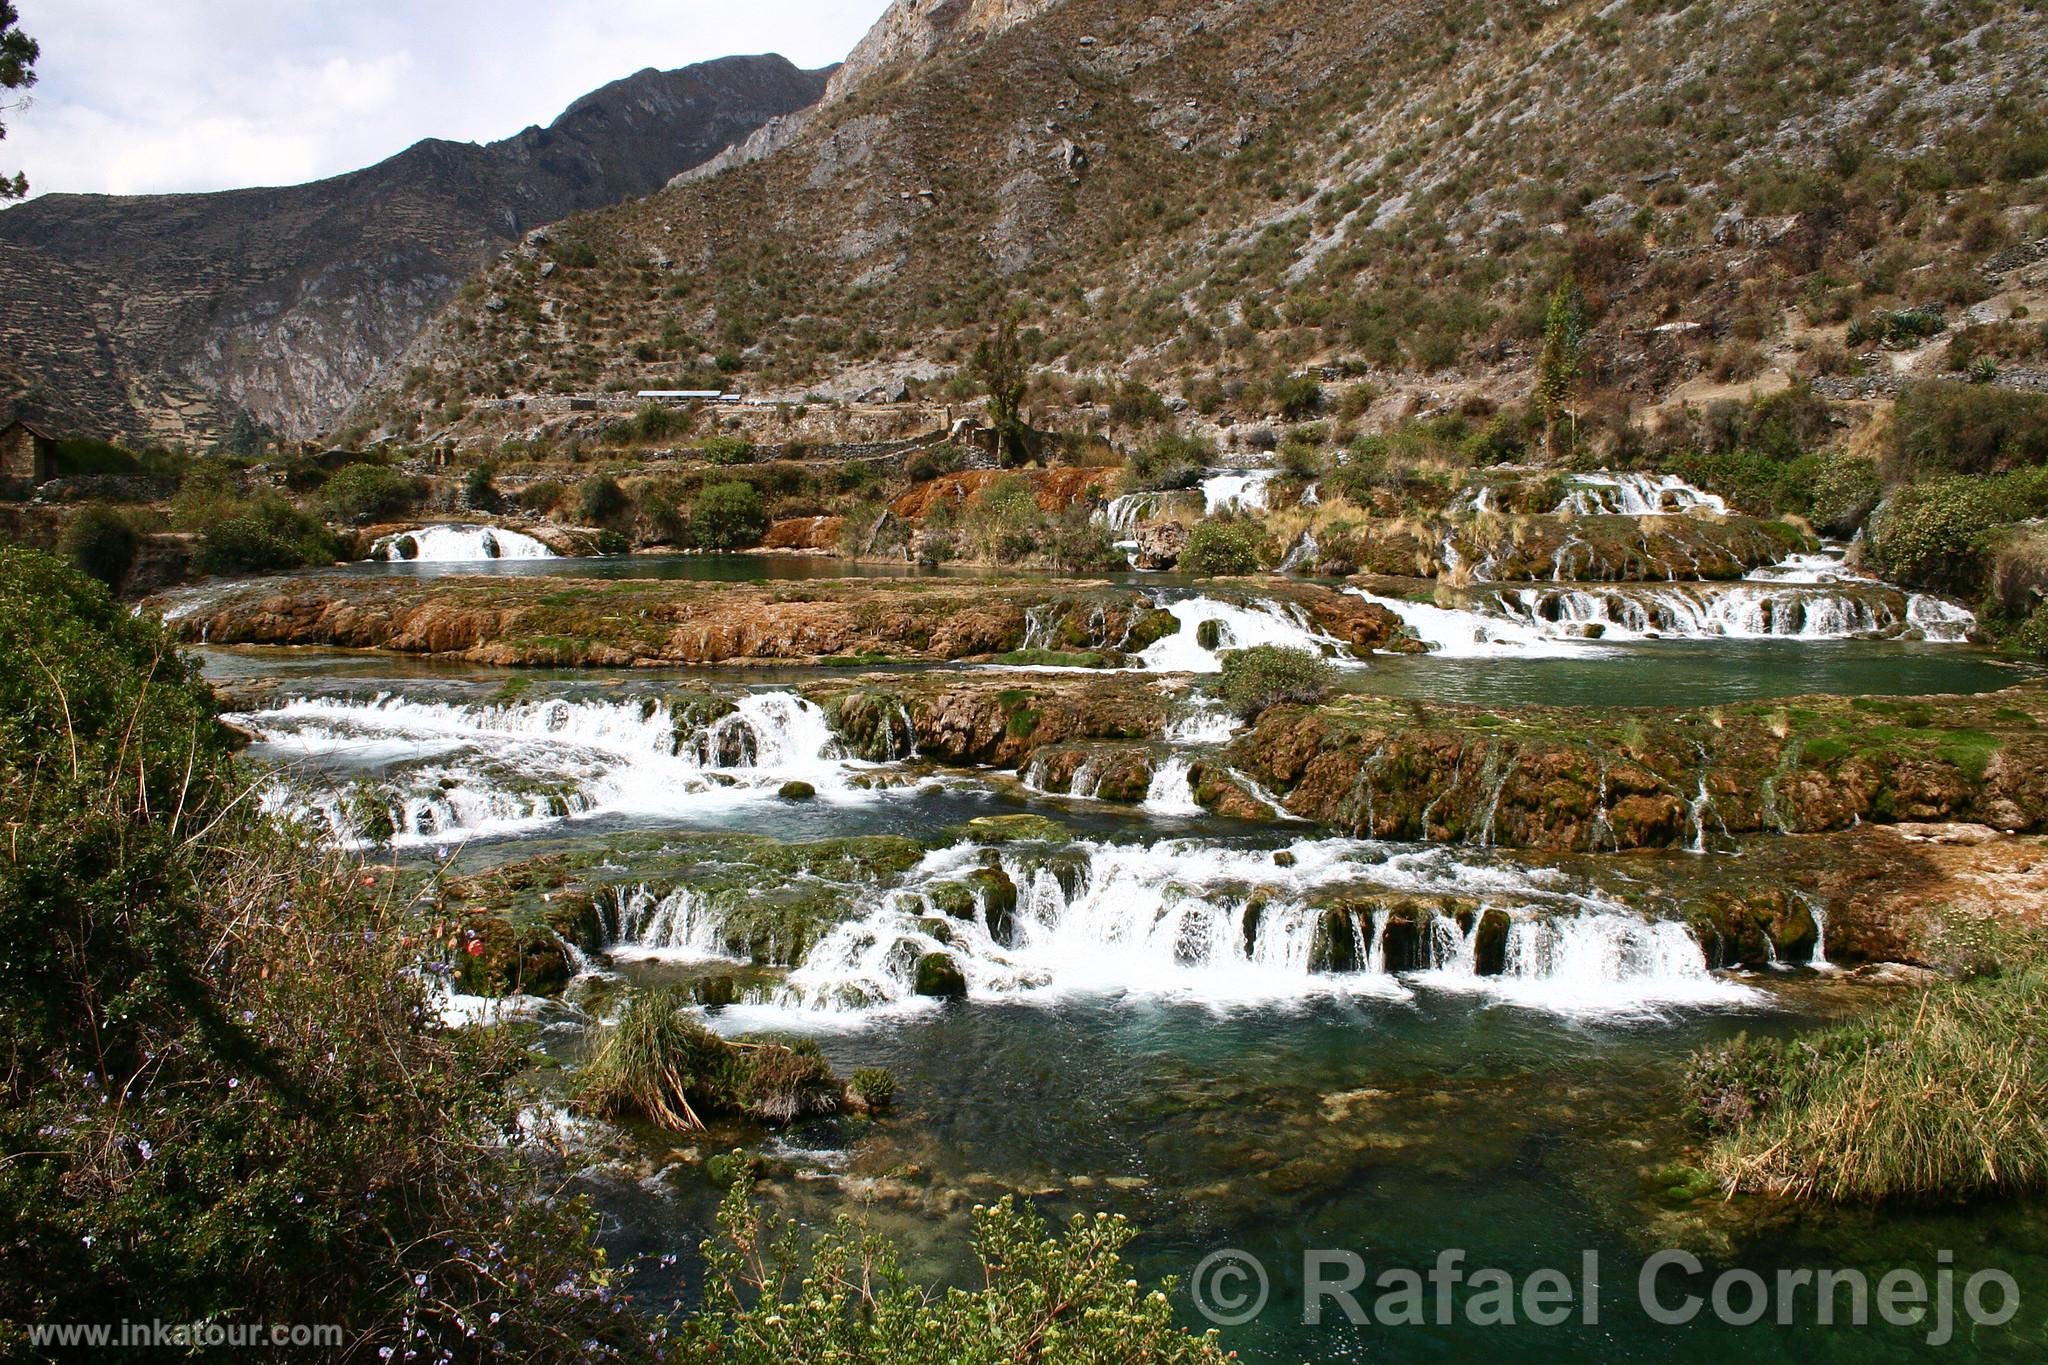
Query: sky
(139, 98)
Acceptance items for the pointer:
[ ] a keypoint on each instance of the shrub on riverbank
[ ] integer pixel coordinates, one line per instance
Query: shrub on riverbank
(1938, 1097)
(1040, 1297)
(1266, 675)
(1222, 548)
(661, 1065)
(228, 1095)
(100, 541)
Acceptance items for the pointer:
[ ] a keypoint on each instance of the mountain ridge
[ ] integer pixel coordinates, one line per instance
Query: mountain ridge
(276, 305)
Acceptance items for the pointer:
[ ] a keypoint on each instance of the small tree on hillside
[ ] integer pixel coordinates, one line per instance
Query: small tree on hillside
(18, 53)
(1001, 366)
(1557, 365)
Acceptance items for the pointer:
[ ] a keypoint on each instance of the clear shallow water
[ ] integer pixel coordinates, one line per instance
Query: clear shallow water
(1394, 1130)
(1391, 1118)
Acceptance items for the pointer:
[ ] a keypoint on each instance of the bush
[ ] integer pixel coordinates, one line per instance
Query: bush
(660, 1065)
(728, 516)
(539, 497)
(226, 1083)
(265, 535)
(1297, 397)
(1936, 1098)
(927, 465)
(100, 542)
(1266, 675)
(369, 492)
(1171, 460)
(726, 450)
(1843, 492)
(1218, 547)
(1933, 535)
(1948, 428)
(599, 499)
(1137, 405)
(479, 494)
(1077, 543)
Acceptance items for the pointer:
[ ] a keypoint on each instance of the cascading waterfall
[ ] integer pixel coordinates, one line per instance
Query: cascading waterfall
(1235, 491)
(1558, 619)
(1605, 493)
(1171, 791)
(1123, 513)
(1302, 552)
(1238, 627)
(1232, 925)
(680, 925)
(436, 771)
(458, 544)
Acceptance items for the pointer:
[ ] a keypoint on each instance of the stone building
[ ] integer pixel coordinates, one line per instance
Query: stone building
(27, 454)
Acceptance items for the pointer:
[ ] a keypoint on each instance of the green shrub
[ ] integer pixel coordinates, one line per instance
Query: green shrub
(875, 1086)
(728, 516)
(1843, 492)
(660, 1065)
(1137, 405)
(540, 496)
(1297, 397)
(1947, 428)
(1218, 547)
(770, 1300)
(479, 493)
(599, 499)
(226, 1082)
(1170, 460)
(369, 492)
(926, 465)
(265, 535)
(1935, 1098)
(1933, 535)
(726, 450)
(1266, 675)
(101, 542)
(84, 456)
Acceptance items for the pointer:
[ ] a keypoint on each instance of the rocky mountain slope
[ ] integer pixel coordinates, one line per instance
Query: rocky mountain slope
(180, 316)
(1210, 197)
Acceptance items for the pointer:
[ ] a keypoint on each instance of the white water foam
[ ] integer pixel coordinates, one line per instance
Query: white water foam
(1240, 627)
(1227, 926)
(484, 770)
(1172, 791)
(1455, 634)
(1235, 491)
(1606, 493)
(454, 543)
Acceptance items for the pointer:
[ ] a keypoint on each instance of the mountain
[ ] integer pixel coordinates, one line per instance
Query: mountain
(1211, 195)
(182, 315)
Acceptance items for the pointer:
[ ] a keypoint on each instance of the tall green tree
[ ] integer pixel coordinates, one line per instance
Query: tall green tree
(1001, 365)
(18, 53)
(1557, 365)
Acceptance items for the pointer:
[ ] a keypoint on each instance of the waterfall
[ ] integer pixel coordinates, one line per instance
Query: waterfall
(1226, 925)
(1543, 619)
(1171, 792)
(1230, 491)
(1605, 493)
(1123, 513)
(436, 771)
(1239, 627)
(1302, 552)
(455, 544)
(1203, 723)
(678, 926)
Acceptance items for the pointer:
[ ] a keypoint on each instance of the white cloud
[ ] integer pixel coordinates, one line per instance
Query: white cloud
(214, 94)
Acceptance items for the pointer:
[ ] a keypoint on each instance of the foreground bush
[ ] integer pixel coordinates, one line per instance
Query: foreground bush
(1935, 1098)
(1266, 675)
(227, 1095)
(1041, 1298)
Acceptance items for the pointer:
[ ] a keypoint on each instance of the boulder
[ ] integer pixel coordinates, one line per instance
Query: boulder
(1160, 545)
(938, 975)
